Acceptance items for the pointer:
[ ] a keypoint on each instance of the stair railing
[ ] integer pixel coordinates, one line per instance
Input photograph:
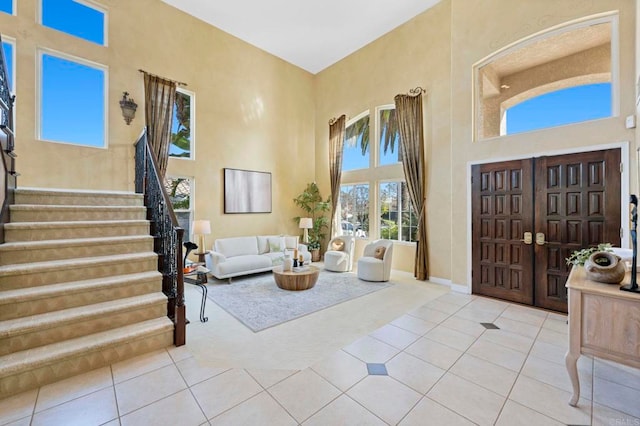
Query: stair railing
(168, 235)
(8, 174)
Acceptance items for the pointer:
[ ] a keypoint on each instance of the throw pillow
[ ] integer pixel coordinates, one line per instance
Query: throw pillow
(379, 253)
(337, 245)
(291, 242)
(276, 244)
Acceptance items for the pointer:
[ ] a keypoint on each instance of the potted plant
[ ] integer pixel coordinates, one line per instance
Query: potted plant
(310, 200)
(579, 257)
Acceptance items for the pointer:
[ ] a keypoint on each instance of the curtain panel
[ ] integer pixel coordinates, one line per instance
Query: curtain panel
(410, 125)
(159, 96)
(336, 145)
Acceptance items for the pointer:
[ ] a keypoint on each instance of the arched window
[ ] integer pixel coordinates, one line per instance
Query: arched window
(564, 75)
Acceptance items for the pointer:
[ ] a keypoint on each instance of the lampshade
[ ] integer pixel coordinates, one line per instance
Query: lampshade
(201, 227)
(306, 223)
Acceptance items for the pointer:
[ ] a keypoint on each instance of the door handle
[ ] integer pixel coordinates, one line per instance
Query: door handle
(540, 239)
(528, 238)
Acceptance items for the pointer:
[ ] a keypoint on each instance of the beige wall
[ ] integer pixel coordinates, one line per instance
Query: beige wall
(415, 54)
(253, 110)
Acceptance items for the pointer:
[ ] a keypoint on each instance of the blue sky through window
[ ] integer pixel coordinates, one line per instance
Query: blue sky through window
(6, 6)
(8, 55)
(74, 18)
(72, 102)
(565, 106)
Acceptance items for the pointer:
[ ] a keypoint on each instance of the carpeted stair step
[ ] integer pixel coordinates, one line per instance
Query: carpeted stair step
(44, 329)
(36, 231)
(77, 198)
(49, 298)
(41, 251)
(54, 213)
(60, 271)
(28, 369)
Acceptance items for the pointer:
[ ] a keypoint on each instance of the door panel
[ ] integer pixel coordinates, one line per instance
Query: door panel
(577, 206)
(502, 205)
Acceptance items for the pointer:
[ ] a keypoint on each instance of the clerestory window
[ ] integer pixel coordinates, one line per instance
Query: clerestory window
(80, 18)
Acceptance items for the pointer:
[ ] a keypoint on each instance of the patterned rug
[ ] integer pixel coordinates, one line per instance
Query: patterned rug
(257, 302)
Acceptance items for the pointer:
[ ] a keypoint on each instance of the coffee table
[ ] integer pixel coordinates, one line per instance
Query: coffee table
(296, 281)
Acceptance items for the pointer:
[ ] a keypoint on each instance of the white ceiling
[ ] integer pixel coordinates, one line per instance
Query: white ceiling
(312, 34)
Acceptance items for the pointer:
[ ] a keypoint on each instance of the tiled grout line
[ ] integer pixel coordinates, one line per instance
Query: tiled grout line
(518, 376)
(266, 390)
(190, 386)
(115, 395)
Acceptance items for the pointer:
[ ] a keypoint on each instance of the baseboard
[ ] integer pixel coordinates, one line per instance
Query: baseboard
(460, 288)
(442, 281)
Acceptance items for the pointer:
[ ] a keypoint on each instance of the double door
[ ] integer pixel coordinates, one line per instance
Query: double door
(529, 215)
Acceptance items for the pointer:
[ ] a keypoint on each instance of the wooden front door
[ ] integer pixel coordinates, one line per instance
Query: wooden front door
(566, 202)
(502, 212)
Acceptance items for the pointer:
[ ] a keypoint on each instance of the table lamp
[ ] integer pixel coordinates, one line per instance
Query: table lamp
(201, 228)
(306, 223)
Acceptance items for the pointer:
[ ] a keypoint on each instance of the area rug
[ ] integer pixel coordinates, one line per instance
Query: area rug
(258, 303)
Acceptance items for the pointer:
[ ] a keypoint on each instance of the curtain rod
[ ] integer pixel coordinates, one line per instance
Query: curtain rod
(179, 83)
(416, 91)
(334, 119)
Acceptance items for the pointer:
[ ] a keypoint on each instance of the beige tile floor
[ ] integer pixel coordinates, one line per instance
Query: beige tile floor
(444, 368)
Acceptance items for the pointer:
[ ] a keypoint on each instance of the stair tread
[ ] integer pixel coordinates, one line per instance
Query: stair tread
(45, 244)
(29, 207)
(13, 327)
(71, 287)
(74, 223)
(17, 362)
(26, 268)
(80, 192)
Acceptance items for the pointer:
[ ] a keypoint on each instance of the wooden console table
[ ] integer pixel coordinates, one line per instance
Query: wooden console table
(603, 322)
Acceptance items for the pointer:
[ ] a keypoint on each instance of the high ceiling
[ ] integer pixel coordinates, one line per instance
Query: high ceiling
(310, 34)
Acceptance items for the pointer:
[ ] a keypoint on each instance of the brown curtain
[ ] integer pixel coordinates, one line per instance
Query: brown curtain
(409, 116)
(336, 143)
(159, 96)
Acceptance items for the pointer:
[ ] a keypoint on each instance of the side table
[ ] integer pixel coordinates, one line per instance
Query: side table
(201, 257)
(199, 278)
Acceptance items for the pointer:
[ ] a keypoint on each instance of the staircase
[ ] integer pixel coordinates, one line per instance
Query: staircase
(79, 286)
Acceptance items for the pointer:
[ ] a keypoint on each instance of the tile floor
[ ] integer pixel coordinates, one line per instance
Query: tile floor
(443, 368)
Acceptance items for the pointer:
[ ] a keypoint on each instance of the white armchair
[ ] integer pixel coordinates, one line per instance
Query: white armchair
(339, 254)
(375, 263)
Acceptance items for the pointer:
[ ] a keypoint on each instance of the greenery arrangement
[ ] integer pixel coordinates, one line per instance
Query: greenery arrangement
(578, 257)
(310, 200)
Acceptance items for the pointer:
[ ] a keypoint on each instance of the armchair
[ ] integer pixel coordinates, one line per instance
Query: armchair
(375, 264)
(339, 254)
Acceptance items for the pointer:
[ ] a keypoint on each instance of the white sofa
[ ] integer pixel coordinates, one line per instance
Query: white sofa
(232, 257)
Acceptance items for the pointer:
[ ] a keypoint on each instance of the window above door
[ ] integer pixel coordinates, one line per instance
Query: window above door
(564, 75)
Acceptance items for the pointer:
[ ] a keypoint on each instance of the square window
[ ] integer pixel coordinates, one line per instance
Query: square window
(354, 210)
(182, 128)
(179, 191)
(397, 219)
(75, 17)
(6, 6)
(9, 58)
(72, 101)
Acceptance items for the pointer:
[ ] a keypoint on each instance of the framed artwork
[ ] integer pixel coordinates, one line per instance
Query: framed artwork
(247, 191)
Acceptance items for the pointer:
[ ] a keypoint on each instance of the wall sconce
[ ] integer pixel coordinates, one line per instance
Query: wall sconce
(128, 108)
